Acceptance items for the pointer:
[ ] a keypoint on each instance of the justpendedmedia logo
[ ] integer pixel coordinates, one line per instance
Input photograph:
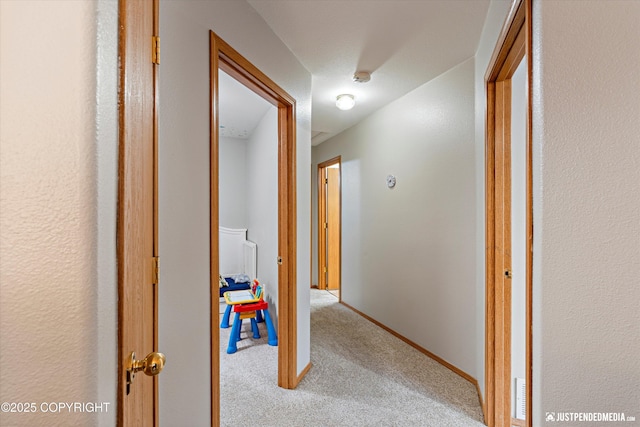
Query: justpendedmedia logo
(602, 417)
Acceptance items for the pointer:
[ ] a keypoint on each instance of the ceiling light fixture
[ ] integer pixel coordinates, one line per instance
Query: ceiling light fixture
(345, 101)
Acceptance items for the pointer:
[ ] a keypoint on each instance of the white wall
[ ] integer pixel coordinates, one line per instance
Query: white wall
(586, 136)
(498, 10)
(262, 202)
(234, 171)
(58, 151)
(408, 254)
(184, 187)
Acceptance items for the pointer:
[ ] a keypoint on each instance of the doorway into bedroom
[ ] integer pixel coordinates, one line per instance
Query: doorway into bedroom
(264, 211)
(329, 226)
(248, 233)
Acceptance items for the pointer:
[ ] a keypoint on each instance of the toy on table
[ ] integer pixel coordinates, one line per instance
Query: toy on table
(247, 304)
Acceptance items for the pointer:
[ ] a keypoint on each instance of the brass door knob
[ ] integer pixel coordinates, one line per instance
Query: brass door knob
(151, 365)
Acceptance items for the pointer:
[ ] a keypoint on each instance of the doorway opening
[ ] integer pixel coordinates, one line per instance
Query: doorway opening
(330, 226)
(227, 59)
(248, 233)
(509, 224)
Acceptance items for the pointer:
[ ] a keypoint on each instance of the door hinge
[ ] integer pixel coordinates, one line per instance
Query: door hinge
(155, 274)
(324, 269)
(326, 180)
(155, 50)
(326, 225)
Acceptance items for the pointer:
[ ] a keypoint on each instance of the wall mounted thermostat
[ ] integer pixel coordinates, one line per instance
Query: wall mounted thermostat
(391, 181)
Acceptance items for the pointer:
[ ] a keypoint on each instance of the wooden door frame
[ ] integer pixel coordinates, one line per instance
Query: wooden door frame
(132, 100)
(322, 197)
(513, 43)
(224, 57)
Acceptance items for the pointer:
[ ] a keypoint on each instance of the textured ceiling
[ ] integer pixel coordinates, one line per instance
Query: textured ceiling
(240, 108)
(402, 43)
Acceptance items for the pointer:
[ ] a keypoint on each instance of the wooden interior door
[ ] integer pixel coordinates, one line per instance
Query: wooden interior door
(137, 209)
(333, 228)
(322, 227)
(329, 229)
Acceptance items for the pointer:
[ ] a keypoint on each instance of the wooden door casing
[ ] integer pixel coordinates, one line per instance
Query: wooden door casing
(226, 58)
(514, 43)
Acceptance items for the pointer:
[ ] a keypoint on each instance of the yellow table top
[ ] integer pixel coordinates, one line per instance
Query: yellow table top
(240, 297)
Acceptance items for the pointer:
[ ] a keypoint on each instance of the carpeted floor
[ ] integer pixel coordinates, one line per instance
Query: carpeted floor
(360, 376)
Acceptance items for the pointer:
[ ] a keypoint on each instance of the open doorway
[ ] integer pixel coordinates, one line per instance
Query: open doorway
(329, 226)
(225, 58)
(248, 235)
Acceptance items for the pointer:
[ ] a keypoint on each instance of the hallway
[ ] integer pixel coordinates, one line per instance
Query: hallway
(361, 376)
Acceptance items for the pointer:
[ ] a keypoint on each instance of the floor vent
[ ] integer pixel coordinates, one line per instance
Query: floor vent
(521, 399)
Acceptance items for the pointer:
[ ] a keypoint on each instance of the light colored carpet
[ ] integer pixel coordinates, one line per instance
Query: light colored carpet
(360, 376)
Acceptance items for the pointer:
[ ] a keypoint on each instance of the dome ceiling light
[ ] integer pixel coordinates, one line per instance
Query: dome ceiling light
(345, 101)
